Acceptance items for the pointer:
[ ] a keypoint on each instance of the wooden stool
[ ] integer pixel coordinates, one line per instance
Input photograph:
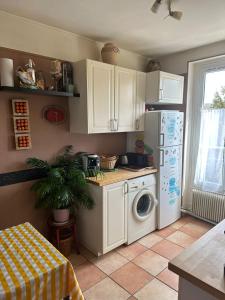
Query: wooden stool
(57, 231)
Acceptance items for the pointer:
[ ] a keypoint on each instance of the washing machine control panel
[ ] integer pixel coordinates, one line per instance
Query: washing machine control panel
(140, 182)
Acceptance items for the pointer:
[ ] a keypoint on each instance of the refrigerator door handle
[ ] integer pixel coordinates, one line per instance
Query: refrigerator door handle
(161, 139)
(161, 158)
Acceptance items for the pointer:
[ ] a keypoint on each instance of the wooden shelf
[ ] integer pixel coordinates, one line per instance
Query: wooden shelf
(37, 91)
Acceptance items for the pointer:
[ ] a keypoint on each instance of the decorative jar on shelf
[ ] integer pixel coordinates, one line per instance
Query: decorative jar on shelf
(110, 53)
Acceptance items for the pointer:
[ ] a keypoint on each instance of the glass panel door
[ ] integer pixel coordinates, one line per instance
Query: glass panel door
(209, 174)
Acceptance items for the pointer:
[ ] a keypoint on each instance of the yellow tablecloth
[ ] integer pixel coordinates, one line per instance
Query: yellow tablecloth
(31, 268)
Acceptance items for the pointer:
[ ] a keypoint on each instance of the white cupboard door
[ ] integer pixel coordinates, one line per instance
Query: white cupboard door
(100, 87)
(171, 88)
(114, 216)
(125, 98)
(140, 101)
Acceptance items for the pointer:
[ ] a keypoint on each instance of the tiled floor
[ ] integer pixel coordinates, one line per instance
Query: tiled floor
(138, 271)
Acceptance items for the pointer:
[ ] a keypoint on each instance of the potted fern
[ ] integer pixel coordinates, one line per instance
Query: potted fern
(64, 188)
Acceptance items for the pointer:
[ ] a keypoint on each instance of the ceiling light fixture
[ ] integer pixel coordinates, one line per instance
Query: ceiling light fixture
(174, 14)
(155, 6)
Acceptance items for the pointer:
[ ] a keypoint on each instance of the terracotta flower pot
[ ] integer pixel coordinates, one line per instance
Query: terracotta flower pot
(61, 215)
(110, 53)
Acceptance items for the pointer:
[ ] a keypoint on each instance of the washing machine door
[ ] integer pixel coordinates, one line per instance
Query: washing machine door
(143, 205)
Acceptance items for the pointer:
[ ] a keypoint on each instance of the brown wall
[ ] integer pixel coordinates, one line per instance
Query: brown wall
(16, 201)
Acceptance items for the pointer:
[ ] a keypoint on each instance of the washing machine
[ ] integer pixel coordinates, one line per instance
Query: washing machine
(142, 205)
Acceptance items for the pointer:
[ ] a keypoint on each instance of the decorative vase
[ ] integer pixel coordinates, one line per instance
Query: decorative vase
(110, 53)
(153, 65)
(6, 72)
(61, 215)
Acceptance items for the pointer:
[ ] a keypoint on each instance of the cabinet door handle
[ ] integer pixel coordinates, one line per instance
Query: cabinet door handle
(137, 124)
(112, 125)
(116, 124)
(126, 189)
(161, 94)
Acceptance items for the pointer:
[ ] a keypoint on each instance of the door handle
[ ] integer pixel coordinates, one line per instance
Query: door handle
(161, 158)
(116, 124)
(161, 94)
(137, 124)
(113, 125)
(126, 189)
(161, 139)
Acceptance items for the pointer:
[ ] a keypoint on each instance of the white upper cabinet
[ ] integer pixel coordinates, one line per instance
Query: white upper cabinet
(140, 101)
(164, 88)
(112, 99)
(125, 99)
(100, 96)
(93, 112)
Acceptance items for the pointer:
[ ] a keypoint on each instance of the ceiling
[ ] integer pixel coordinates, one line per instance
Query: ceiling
(130, 23)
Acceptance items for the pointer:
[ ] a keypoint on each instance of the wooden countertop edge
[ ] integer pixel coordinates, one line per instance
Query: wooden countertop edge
(196, 281)
(132, 175)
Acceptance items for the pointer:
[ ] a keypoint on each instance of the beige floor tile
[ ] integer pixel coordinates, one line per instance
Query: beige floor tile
(150, 240)
(167, 249)
(151, 262)
(131, 251)
(181, 222)
(131, 277)
(165, 231)
(156, 290)
(76, 259)
(88, 275)
(132, 298)
(180, 238)
(196, 229)
(110, 262)
(106, 289)
(169, 278)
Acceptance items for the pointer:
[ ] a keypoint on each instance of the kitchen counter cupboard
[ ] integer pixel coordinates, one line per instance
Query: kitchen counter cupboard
(112, 98)
(104, 227)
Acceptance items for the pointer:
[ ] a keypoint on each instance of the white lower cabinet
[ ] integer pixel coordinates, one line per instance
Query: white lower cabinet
(104, 227)
(114, 216)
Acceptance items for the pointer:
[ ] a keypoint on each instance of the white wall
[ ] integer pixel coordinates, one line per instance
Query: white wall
(30, 36)
(177, 63)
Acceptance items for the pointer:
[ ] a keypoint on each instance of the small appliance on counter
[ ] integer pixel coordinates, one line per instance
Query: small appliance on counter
(90, 161)
(123, 160)
(134, 161)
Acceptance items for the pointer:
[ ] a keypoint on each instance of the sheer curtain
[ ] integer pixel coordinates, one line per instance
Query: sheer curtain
(209, 174)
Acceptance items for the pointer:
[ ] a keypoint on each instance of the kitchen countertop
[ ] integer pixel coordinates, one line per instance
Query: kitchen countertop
(120, 175)
(202, 263)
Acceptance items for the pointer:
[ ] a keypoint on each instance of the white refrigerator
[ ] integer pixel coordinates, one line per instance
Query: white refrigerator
(164, 134)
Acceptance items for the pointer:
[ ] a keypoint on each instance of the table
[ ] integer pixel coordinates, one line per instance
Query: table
(32, 268)
(201, 267)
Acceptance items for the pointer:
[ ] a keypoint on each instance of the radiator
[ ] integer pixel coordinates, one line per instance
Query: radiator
(210, 206)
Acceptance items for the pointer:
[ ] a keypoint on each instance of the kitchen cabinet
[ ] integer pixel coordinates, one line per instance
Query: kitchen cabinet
(164, 88)
(125, 98)
(111, 98)
(114, 216)
(93, 112)
(104, 227)
(140, 100)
